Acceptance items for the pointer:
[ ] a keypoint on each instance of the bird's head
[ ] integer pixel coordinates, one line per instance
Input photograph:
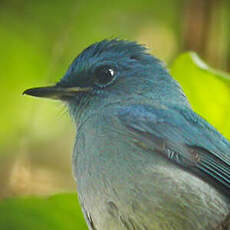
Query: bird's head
(112, 70)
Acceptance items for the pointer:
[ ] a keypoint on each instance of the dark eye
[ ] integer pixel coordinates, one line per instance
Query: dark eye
(104, 75)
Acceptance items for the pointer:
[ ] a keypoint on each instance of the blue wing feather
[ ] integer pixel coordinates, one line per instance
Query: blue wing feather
(183, 137)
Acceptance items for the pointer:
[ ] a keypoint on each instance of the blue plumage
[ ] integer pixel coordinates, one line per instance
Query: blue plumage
(142, 159)
(188, 136)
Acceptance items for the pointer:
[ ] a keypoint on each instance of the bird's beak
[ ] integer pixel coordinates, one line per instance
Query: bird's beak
(55, 92)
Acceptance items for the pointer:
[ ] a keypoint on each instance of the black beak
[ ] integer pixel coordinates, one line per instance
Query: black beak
(55, 92)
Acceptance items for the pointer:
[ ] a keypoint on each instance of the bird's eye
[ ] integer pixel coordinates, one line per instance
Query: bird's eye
(104, 75)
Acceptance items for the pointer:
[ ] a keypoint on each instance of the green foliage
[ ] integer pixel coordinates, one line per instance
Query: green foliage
(208, 90)
(58, 212)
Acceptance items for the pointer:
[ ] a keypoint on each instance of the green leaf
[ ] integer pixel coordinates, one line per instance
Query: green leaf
(58, 212)
(208, 90)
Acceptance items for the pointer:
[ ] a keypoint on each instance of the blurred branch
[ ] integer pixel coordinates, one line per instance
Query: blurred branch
(197, 15)
(205, 30)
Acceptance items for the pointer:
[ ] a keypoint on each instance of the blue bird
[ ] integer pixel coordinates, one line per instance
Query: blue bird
(143, 159)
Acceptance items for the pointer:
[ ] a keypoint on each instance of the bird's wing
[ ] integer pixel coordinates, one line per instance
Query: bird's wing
(183, 137)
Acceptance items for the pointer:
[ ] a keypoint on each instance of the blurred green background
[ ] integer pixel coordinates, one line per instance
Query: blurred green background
(38, 41)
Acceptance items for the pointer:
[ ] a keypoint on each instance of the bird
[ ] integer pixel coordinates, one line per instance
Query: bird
(142, 158)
